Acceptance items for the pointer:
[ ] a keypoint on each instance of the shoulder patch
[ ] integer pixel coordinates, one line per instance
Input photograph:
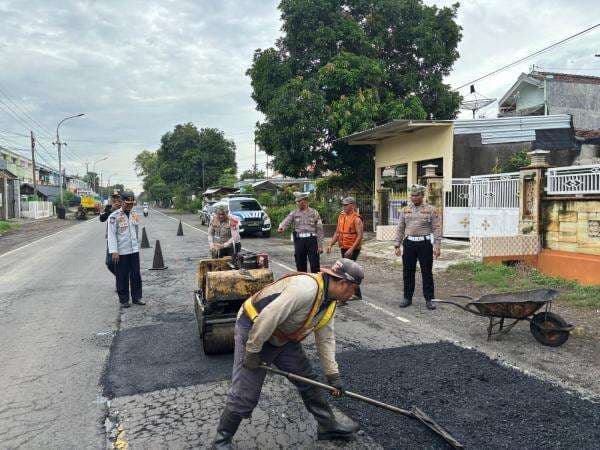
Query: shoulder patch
(112, 219)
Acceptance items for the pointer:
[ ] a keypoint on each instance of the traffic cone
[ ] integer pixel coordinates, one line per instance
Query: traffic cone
(180, 230)
(158, 263)
(145, 243)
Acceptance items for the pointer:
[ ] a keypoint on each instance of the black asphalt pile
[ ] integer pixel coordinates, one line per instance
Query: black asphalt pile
(165, 355)
(480, 402)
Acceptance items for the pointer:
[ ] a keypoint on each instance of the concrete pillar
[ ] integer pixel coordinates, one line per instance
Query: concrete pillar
(531, 189)
(435, 186)
(383, 206)
(5, 199)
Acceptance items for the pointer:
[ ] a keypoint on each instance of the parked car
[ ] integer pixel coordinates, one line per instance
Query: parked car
(253, 218)
(206, 212)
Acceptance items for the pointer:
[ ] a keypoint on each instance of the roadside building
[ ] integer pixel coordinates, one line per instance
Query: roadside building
(214, 194)
(9, 192)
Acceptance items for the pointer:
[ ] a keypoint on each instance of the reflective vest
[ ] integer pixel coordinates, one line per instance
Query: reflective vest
(346, 229)
(252, 308)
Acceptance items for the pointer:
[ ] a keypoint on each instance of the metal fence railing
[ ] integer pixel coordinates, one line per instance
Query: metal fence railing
(573, 180)
(394, 208)
(497, 191)
(457, 195)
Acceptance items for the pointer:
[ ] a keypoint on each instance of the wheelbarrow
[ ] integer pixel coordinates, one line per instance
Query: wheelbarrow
(547, 327)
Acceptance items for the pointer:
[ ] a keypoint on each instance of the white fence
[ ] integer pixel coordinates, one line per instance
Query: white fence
(36, 210)
(394, 207)
(494, 201)
(574, 180)
(456, 208)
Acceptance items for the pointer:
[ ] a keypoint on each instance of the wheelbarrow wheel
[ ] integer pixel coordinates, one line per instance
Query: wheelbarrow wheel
(542, 326)
(218, 341)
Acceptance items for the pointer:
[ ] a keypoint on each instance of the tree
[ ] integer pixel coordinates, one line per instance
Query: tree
(343, 66)
(251, 174)
(92, 179)
(227, 178)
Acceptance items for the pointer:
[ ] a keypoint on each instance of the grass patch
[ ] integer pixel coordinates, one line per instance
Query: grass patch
(7, 226)
(501, 278)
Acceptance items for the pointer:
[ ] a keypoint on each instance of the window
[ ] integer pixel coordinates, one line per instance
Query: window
(244, 205)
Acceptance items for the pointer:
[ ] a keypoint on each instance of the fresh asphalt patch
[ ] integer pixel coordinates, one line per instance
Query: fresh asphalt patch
(480, 402)
(160, 356)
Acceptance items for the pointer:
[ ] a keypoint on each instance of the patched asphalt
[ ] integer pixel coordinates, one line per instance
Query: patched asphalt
(481, 403)
(160, 356)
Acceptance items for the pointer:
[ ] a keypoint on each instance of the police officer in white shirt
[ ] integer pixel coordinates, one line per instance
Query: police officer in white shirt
(123, 246)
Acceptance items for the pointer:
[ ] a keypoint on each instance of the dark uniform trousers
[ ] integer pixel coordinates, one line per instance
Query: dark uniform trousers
(128, 272)
(227, 251)
(109, 264)
(246, 384)
(423, 252)
(304, 248)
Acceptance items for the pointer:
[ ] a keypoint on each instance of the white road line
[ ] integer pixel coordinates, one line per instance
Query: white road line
(378, 308)
(36, 241)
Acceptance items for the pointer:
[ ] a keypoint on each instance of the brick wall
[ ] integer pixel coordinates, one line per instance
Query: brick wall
(572, 225)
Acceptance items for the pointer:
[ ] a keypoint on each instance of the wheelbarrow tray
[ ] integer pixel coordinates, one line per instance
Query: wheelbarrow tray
(513, 305)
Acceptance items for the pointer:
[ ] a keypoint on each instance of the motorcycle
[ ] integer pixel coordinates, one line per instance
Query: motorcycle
(145, 212)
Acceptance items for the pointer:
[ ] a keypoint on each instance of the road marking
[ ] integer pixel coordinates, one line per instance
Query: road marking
(378, 308)
(37, 240)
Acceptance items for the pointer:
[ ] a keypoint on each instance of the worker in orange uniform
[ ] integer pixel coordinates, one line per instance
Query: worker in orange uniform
(349, 233)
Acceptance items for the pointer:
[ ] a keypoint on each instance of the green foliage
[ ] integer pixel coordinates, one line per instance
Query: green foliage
(266, 199)
(278, 213)
(8, 226)
(502, 278)
(189, 160)
(345, 66)
(67, 196)
(517, 161)
(250, 174)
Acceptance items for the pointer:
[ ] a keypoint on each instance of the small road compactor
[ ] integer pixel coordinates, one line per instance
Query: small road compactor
(223, 285)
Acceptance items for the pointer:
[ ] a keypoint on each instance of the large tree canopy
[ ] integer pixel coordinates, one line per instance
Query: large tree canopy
(343, 66)
(187, 161)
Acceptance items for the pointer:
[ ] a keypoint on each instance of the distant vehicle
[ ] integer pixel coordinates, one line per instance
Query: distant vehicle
(253, 218)
(91, 202)
(206, 212)
(145, 205)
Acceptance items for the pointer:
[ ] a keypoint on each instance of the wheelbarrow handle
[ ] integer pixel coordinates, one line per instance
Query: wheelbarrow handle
(466, 307)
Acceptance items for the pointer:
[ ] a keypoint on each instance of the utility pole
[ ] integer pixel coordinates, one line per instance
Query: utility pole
(255, 158)
(267, 166)
(35, 191)
(58, 144)
(203, 184)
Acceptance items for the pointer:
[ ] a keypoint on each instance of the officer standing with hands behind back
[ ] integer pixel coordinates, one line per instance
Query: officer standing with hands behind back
(308, 234)
(416, 223)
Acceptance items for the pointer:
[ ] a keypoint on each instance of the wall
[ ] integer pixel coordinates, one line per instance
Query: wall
(578, 99)
(408, 148)
(572, 225)
(529, 96)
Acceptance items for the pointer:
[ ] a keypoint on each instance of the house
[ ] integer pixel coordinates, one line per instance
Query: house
(216, 193)
(547, 93)
(462, 148)
(9, 193)
(44, 193)
(266, 186)
(301, 184)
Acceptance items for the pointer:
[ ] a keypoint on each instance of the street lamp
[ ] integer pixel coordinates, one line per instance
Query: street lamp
(58, 143)
(94, 171)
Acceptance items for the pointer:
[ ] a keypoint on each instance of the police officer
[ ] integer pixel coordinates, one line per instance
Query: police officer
(224, 234)
(269, 329)
(417, 222)
(108, 210)
(123, 245)
(308, 234)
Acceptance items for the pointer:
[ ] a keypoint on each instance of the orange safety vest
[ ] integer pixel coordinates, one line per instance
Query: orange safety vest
(346, 229)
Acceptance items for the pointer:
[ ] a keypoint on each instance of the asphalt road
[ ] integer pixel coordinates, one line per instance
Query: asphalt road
(57, 316)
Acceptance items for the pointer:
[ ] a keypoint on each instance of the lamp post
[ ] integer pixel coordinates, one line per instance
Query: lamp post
(94, 170)
(58, 143)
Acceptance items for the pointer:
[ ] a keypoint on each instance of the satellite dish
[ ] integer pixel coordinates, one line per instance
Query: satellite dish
(475, 101)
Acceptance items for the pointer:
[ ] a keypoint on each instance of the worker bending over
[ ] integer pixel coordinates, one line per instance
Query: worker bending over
(269, 328)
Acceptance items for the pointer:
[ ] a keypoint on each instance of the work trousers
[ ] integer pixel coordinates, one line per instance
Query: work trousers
(353, 257)
(423, 252)
(307, 248)
(246, 384)
(226, 251)
(128, 273)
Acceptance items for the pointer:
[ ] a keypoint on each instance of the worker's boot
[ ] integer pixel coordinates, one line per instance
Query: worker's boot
(228, 425)
(430, 305)
(405, 302)
(329, 427)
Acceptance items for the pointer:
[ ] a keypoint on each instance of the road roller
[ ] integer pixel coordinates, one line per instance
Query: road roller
(223, 285)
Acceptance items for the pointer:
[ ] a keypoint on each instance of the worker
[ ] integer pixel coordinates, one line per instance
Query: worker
(416, 224)
(124, 248)
(308, 234)
(224, 234)
(269, 328)
(108, 210)
(348, 233)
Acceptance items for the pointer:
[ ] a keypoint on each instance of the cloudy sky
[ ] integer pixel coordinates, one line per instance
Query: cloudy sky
(137, 68)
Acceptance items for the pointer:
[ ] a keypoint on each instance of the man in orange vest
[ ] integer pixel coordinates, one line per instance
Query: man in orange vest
(349, 233)
(269, 328)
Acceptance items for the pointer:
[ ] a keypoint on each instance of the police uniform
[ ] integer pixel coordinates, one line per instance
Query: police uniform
(269, 329)
(415, 226)
(103, 218)
(226, 233)
(308, 235)
(123, 239)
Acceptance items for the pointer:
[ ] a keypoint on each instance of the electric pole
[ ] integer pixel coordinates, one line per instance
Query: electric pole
(58, 144)
(255, 159)
(35, 191)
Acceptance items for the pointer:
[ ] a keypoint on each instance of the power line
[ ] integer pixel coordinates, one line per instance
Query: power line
(514, 63)
(23, 113)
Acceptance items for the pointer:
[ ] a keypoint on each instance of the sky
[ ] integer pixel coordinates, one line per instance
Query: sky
(138, 68)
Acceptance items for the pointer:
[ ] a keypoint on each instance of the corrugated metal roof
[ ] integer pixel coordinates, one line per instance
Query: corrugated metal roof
(511, 129)
(391, 129)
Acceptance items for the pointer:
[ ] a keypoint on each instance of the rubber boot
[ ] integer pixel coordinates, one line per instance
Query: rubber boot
(228, 425)
(329, 427)
(405, 302)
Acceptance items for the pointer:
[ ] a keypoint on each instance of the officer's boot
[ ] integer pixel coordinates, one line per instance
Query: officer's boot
(329, 427)
(430, 304)
(405, 302)
(228, 425)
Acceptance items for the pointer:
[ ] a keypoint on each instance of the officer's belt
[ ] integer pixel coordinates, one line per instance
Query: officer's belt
(305, 235)
(305, 329)
(417, 238)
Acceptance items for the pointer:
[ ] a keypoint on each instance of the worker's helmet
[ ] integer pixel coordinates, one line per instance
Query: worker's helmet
(345, 269)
